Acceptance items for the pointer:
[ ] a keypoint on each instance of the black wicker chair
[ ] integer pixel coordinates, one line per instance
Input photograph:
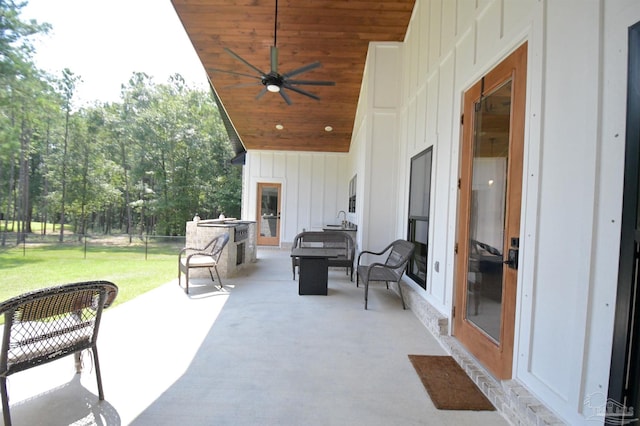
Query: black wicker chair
(400, 251)
(47, 324)
(207, 257)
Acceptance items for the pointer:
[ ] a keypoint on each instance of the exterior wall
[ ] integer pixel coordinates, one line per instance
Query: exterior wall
(377, 149)
(572, 178)
(572, 187)
(315, 187)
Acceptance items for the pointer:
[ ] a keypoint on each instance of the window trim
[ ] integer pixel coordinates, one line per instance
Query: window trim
(412, 219)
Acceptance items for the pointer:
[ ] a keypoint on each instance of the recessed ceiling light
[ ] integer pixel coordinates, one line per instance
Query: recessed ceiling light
(279, 126)
(328, 128)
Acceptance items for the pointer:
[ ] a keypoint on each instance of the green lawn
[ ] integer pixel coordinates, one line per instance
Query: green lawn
(36, 227)
(37, 266)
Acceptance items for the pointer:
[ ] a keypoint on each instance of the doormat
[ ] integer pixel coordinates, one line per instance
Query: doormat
(448, 385)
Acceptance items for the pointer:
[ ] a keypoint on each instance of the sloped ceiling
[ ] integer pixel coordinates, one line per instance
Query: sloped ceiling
(335, 32)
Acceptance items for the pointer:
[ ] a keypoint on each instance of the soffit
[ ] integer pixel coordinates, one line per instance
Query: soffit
(336, 33)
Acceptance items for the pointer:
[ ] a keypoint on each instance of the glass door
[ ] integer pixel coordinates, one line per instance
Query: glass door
(268, 214)
(490, 197)
(487, 211)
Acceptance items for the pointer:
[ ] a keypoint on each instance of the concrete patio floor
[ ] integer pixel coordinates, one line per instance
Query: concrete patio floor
(254, 353)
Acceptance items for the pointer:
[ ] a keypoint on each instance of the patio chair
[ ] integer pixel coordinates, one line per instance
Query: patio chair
(400, 251)
(207, 257)
(47, 324)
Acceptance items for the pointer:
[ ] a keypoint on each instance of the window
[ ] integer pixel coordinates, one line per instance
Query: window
(419, 203)
(352, 194)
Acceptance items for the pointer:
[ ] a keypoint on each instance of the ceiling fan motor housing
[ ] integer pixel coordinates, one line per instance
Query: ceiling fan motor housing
(272, 81)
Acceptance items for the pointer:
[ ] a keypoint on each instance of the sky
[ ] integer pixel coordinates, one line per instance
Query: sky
(105, 41)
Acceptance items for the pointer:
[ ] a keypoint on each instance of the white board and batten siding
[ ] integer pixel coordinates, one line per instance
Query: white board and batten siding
(411, 99)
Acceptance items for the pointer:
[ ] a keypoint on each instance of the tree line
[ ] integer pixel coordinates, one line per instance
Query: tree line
(144, 164)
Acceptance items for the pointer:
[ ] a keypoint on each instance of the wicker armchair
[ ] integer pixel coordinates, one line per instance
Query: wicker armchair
(400, 251)
(51, 323)
(207, 257)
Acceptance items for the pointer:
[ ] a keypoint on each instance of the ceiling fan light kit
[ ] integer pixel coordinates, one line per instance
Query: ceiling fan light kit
(273, 81)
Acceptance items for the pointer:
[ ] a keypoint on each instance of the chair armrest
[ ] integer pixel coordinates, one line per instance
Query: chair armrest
(296, 241)
(374, 252)
(185, 249)
(199, 253)
(111, 296)
(395, 266)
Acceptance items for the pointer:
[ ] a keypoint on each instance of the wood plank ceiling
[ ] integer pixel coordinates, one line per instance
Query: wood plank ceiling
(335, 32)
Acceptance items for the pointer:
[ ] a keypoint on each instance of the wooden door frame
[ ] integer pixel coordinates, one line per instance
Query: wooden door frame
(271, 241)
(498, 358)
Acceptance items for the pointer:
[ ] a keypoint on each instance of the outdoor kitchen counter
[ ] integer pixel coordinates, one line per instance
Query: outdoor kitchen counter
(239, 251)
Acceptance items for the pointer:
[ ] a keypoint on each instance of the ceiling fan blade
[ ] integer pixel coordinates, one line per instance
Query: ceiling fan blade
(302, 92)
(238, 57)
(274, 60)
(234, 86)
(234, 73)
(300, 70)
(312, 82)
(285, 97)
(261, 93)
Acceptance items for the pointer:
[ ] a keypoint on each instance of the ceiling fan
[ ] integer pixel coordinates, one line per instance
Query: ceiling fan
(273, 81)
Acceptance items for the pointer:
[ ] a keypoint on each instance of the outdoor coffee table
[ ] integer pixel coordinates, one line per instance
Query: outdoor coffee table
(314, 269)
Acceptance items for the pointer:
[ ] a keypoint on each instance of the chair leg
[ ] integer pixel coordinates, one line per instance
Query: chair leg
(366, 293)
(78, 361)
(96, 364)
(186, 276)
(5, 401)
(401, 297)
(218, 275)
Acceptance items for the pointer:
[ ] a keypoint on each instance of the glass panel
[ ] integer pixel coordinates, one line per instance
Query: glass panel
(487, 215)
(419, 200)
(352, 193)
(420, 185)
(419, 233)
(269, 212)
(638, 205)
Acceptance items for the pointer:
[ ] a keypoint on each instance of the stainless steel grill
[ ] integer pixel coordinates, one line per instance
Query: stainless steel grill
(240, 232)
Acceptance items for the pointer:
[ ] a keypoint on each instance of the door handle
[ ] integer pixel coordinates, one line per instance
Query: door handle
(512, 258)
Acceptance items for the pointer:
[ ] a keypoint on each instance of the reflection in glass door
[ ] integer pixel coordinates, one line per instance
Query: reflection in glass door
(268, 214)
(487, 210)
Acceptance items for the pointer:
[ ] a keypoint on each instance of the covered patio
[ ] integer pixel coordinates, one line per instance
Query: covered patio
(254, 353)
